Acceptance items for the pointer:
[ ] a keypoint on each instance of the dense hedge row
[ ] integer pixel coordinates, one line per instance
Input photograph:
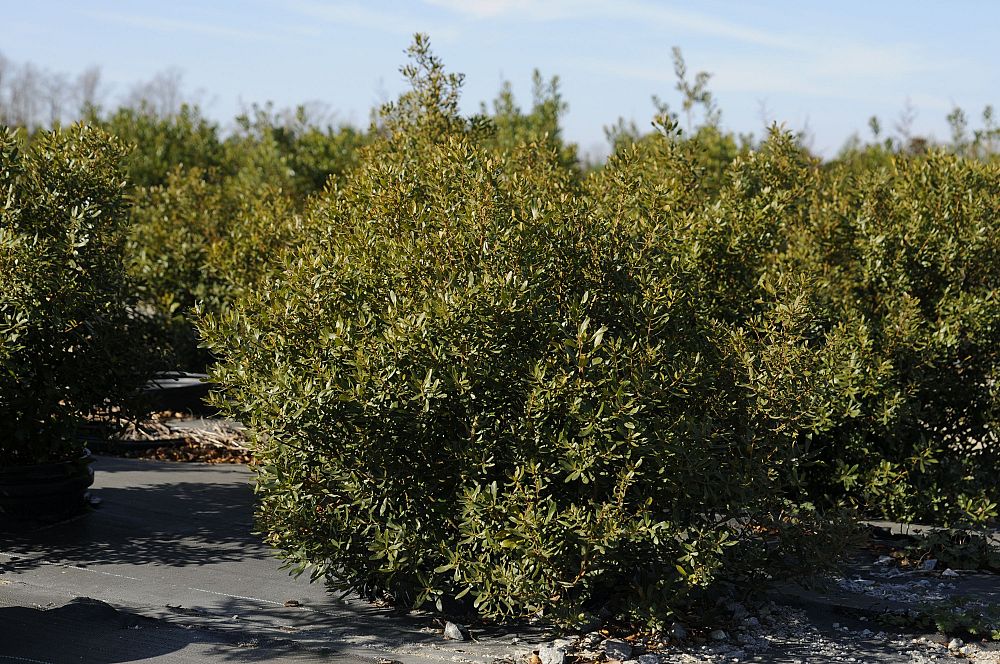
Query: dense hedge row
(487, 376)
(907, 258)
(477, 371)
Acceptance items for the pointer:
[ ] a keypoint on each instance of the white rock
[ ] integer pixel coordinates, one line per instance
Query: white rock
(615, 649)
(955, 644)
(949, 572)
(454, 632)
(551, 655)
(649, 659)
(718, 635)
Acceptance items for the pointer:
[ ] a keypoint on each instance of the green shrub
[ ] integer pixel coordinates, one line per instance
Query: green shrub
(198, 242)
(159, 144)
(291, 150)
(907, 256)
(483, 379)
(513, 127)
(66, 326)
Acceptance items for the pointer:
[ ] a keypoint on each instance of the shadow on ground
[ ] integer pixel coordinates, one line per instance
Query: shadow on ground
(174, 524)
(92, 632)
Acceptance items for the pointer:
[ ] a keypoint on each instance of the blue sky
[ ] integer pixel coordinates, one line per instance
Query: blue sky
(827, 65)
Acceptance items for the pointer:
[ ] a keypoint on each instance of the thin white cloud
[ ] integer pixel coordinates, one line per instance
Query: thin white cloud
(704, 24)
(630, 10)
(162, 24)
(854, 72)
(522, 10)
(738, 77)
(361, 16)
(885, 61)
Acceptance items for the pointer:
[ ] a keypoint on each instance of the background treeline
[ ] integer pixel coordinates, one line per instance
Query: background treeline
(479, 370)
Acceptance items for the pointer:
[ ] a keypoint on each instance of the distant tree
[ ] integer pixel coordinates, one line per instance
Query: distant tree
(162, 95)
(694, 93)
(88, 91)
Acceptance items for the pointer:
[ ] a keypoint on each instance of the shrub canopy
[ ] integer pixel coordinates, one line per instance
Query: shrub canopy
(66, 326)
(485, 379)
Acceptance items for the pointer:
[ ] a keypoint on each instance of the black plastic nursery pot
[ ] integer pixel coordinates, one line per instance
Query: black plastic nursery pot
(45, 492)
(179, 391)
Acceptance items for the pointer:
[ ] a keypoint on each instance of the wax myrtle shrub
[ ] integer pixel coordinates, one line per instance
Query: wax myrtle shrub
(292, 148)
(159, 142)
(907, 256)
(198, 241)
(479, 377)
(707, 146)
(201, 234)
(513, 126)
(67, 328)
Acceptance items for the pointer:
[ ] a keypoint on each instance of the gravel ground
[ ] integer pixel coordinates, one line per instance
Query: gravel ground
(786, 634)
(854, 617)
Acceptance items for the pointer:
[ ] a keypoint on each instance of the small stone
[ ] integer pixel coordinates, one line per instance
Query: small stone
(551, 655)
(631, 661)
(965, 650)
(928, 564)
(836, 625)
(884, 560)
(649, 658)
(455, 632)
(533, 658)
(292, 602)
(949, 572)
(678, 632)
(718, 635)
(738, 610)
(615, 649)
(955, 644)
(751, 622)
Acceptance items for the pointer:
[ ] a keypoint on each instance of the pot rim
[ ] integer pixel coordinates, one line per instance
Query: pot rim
(85, 458)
